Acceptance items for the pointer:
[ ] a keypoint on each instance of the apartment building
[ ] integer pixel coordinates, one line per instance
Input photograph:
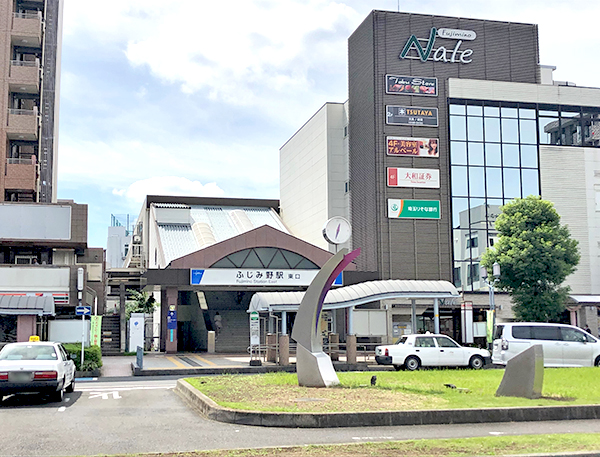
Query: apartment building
(30, 36)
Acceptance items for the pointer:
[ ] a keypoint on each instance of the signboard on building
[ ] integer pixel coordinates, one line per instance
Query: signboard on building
(413, 177)
(402, 146)
(413, 209)
(253, 277)
(411, 85)
(448, 52)
(411, 115)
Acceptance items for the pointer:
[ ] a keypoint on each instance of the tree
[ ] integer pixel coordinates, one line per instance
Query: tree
(536, 254)
(142, 302)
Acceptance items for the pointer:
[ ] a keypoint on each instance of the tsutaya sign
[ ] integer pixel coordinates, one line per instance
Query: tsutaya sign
(441, 54)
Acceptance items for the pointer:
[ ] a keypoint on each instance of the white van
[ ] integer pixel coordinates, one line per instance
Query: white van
(564, 345)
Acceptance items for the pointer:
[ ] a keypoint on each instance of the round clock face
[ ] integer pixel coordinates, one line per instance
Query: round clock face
(337, 230)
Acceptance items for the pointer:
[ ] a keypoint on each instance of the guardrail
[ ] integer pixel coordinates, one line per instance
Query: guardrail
(25, 63)
(37, 15)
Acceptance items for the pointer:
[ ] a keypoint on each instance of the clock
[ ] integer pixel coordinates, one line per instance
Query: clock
(337, 230)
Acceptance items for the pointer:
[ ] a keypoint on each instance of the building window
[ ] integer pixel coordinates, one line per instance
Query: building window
(493, 159)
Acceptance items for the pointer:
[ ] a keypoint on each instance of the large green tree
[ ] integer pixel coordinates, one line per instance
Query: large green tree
(142, 302)
(536, 254)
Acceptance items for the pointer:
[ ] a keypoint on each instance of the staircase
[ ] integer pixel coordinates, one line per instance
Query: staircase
(235, 334)
(111, 335)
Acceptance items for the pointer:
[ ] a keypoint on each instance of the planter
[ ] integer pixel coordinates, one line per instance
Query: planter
(88, 374)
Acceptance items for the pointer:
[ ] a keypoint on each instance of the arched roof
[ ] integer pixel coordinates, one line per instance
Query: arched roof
(357, 294)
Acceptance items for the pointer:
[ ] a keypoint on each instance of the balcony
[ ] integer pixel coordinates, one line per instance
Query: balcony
(21, 175)
(24, 76)
(23, 124)
(27, 30)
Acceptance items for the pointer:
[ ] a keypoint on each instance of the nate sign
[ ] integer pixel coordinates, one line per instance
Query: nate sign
(414, 50)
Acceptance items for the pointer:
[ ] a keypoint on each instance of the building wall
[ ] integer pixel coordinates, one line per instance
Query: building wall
(415, 249)
(313, 165)
(578, 171)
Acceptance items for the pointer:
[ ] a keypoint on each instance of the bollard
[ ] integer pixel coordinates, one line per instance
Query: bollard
(211, 342)
(284, 350)
(351, 349)
(334, 346)
(271, 347)
(140, 357)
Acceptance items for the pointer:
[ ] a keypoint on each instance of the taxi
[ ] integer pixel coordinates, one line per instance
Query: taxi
(36, 367)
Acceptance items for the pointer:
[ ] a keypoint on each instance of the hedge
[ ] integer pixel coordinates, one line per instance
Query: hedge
(92, 356)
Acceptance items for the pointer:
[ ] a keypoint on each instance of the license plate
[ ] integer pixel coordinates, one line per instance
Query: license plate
(20, 376)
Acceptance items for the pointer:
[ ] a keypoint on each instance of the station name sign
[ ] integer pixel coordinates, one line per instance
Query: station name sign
(253, 277)
(414, 50)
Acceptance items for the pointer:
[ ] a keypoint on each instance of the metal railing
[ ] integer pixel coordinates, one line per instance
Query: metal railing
(37, 15)
(25, 63)
(22, 112)
(19, 161)
(365, 352)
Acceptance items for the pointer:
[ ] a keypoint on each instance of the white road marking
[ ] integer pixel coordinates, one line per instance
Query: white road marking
(122, 388)
(497, 433)
(62, 409)
(67, 399)
(371, 438)
(105, 395)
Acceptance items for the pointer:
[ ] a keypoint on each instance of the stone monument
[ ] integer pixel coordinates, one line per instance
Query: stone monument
(524, 374)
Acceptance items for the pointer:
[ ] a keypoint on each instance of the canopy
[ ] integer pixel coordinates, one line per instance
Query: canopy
(357, 294)
(25, 304)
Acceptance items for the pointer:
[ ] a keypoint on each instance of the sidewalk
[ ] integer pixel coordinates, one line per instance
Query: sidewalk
(185, 363)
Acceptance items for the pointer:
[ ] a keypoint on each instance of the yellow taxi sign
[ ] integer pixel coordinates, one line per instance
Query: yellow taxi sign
(34, 338)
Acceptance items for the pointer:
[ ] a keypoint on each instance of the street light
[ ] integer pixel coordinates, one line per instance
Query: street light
(491, 283)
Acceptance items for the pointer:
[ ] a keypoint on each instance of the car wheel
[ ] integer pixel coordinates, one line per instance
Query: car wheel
(59, 395)
(397, 367)
(71, 387)
(597, 362)
(412, 363)
(476, 362)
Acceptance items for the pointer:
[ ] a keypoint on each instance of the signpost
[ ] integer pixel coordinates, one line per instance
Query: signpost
(81, 311)
(254, 338)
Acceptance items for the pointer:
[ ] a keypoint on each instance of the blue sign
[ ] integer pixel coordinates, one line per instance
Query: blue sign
(339, 280)
(172, 320)
(83, 311)
(197, 276)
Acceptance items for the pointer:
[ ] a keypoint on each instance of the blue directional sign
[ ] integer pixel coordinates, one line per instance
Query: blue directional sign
(83, 310)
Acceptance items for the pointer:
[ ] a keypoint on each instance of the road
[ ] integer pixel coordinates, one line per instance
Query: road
(133, 415)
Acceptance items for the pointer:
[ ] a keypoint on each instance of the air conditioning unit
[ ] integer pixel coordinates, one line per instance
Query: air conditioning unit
(137, 239)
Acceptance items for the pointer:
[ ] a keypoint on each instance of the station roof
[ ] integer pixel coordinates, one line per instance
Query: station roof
(357, 294)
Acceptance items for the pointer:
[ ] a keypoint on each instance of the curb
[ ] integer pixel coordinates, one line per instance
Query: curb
(209, 409)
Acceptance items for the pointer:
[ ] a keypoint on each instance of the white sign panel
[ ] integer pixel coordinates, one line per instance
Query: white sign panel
(254, 329)
(256, 277)
(413, 177)
(136, 331)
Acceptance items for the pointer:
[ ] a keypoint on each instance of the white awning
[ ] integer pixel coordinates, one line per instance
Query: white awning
(592, 299)
(25, 304)
(357, 294)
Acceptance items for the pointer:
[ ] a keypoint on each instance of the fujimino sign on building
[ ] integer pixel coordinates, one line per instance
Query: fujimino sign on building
(450, 51)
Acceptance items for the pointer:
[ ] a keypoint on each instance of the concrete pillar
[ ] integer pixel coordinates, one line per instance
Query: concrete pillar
(284, 350)
(25, 327)
(284, 322)
(271, 347)
(573, 316)
(334, 346)
(413, 316)
(350, 330)
(351, 348)
(211, 342)
(171, 344)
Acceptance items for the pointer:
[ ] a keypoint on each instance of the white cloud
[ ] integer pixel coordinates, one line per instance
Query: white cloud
(168, 185)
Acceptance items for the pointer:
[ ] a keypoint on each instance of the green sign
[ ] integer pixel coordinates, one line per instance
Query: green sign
(413, 209)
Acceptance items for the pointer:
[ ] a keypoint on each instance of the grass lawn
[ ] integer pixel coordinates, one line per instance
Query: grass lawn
(494, 445)
(403, 390)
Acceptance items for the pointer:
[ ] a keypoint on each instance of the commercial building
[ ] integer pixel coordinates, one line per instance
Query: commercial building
(448, 119)
(30, 39)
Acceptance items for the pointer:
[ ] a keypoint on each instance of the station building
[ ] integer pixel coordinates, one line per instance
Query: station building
(447, 119)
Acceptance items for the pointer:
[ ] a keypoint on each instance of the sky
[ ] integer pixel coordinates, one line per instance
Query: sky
(195, 97)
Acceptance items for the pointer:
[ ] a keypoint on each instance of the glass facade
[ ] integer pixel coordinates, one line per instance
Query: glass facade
(494, 159)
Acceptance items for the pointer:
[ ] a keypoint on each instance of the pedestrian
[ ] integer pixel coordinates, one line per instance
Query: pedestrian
(587, 329)
(218, 323)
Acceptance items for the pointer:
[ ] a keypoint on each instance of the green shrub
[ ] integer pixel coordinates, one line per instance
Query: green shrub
(92, 356)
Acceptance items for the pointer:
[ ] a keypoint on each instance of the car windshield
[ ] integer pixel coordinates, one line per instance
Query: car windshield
(28, 352)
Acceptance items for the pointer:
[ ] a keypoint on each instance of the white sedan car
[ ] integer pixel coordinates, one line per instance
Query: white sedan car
(430, 350)
(36, 367)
